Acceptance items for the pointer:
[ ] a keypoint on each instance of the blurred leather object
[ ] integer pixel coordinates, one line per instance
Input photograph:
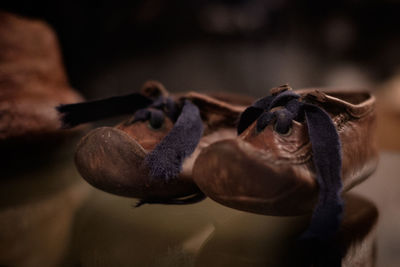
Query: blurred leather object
(33, 82)
(32, 79)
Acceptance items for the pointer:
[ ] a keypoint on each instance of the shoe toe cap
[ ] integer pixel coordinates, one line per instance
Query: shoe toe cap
(236, 174)
(109, 159)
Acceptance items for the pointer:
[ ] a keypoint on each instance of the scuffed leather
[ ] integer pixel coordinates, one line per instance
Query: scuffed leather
(268, 173)
(111, 158)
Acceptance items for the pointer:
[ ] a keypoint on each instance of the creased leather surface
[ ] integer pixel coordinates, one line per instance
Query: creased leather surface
(111, 158)
(272, 174)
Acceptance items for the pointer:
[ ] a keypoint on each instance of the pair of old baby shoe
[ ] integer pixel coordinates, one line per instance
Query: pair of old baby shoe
(289, 153)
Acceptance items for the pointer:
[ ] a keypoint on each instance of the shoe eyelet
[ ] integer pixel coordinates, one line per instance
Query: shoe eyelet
(154, 127)
(288, 133)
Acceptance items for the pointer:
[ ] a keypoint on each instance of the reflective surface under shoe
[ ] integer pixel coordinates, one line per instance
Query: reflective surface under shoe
(51, 217)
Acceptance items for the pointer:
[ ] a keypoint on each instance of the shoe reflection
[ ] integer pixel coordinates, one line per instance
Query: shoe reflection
(258, 241)
(37, 209)
(47, 218)
(110, 232)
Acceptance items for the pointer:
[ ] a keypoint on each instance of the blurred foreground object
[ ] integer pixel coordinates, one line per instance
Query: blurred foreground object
(32, 79)
(38, 198)
(32, 82)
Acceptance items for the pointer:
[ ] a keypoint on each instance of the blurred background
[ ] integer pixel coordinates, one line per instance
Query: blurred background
(242, 46)
(247, 47)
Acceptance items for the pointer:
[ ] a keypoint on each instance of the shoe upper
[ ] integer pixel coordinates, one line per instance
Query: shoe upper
(353, 114)
(272, 173)
(114, 158)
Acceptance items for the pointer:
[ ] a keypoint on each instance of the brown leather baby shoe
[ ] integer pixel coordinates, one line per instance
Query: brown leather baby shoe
(296, 151)
(151, 155)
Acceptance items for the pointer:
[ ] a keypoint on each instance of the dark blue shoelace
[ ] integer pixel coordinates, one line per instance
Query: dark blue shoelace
(165, 161)
(79, 113)
(326, 149)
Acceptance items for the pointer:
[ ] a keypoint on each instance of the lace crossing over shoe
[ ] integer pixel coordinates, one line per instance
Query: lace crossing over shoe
(150, 156)
(296, 152)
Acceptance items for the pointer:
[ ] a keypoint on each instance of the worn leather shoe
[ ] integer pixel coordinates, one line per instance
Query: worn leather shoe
(296, 151)
(150, 156)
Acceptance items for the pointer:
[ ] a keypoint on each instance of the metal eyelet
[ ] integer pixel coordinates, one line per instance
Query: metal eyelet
(154, 128)
(289, 131)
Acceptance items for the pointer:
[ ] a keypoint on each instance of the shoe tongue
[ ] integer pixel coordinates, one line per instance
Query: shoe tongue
(216, 112)
(277, 90)
(316, 96)
(154, 90)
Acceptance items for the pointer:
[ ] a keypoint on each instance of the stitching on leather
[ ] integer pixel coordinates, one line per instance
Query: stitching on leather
(340, 121)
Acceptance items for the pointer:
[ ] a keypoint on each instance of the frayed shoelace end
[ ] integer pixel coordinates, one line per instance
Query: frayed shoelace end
(65, 117)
